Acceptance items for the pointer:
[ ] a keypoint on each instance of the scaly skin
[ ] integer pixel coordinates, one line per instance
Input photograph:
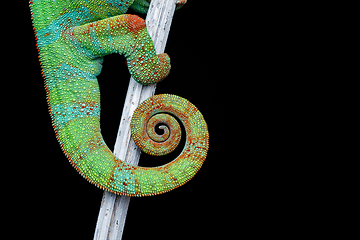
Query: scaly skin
(73, 36)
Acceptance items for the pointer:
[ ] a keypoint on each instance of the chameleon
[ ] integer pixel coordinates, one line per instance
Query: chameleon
(72, 38)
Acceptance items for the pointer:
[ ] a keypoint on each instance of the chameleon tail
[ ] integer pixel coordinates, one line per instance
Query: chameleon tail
(94, 161)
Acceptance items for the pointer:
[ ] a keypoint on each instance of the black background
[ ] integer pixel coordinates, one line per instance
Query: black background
(233, 63)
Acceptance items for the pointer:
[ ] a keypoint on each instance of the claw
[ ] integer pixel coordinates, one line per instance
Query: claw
(180, 3)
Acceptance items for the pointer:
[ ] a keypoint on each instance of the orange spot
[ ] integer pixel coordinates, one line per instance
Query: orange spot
(135, 23)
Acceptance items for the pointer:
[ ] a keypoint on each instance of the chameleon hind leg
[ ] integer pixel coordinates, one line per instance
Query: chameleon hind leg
(74, 94)
(127, 35)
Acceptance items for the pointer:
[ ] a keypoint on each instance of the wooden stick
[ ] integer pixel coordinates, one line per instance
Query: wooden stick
(113, 209)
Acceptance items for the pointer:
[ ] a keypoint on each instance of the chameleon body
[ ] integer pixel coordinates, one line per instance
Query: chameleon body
(72, 37)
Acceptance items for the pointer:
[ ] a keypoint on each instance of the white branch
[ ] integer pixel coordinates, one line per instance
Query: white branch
(113, 209)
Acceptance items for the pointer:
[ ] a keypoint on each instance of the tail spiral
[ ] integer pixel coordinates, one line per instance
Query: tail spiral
(159, 110)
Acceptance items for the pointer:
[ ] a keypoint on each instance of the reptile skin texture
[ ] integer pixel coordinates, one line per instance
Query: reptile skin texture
(72, 37)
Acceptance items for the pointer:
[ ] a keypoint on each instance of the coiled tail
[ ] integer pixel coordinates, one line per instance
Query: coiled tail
(160, 109)
(83, 144)
(98, 165)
